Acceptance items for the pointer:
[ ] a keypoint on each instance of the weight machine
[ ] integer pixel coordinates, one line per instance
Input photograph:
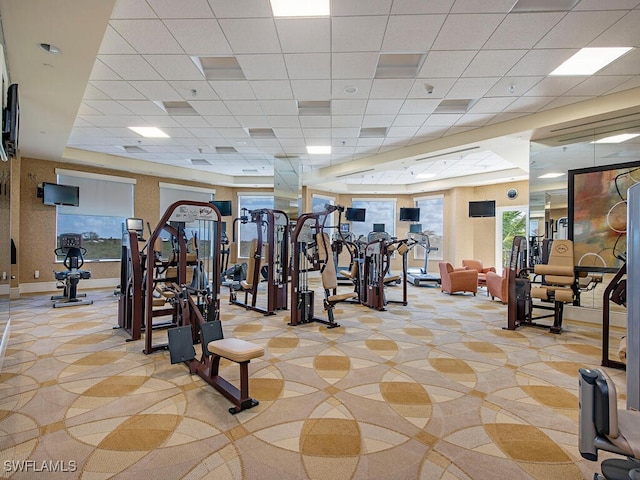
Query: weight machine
(312, 252)
(276, 254)
(204, 221)
(377, 263)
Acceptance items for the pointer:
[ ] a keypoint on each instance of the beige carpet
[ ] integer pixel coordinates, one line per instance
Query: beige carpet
(434, 390)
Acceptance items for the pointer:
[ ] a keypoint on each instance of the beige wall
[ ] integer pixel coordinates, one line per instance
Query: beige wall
(35, 236)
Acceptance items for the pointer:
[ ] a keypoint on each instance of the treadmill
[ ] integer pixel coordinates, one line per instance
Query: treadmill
(421, 276)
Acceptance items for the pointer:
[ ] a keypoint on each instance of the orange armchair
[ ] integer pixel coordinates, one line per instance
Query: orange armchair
(482, 271)
(458, 279)
(498, 286)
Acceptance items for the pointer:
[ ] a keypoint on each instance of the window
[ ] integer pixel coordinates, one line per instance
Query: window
(105, 202)
(378, 211)
(432, 221)
(318, 203)
(171, 193)
(248, 231)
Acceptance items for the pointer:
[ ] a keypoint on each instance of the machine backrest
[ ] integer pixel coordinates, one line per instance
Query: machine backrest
(560, 269)
(328, 271)
(251, 263)
(605, 401)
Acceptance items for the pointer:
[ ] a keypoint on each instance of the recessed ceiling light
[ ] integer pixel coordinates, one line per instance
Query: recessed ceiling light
(623, 137)
(47, 47)
(350, 89)
(425, 175)
(589, 60)
(318, 149)
(301, 8)
(149, 132)
(551, 175)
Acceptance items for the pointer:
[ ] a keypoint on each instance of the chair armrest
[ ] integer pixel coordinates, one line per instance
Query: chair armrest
(488, 269)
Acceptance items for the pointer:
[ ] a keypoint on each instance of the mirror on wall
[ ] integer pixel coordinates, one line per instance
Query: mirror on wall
(5, 252)
(610, 146)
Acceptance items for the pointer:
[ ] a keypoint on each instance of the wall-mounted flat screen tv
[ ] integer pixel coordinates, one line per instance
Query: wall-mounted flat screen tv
(409, 214)
(485, 208)
(54, 194)
(379, 227)
(224, 206)
(11, 121)
(355, 214)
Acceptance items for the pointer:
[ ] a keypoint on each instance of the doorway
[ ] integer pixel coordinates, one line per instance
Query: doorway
(510, 222)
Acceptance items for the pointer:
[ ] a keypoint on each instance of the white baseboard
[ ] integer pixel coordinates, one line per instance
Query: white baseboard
(48, 287)
(594, 315)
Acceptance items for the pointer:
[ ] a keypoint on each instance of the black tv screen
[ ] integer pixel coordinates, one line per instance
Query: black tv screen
(486, 208)
(54, 194)
(11, 121)
(355, 214)
(409, 214)
(378, 227)
(224, 206)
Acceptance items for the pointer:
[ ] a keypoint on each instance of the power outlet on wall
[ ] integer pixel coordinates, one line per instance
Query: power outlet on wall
(36, 274)
(4, 275)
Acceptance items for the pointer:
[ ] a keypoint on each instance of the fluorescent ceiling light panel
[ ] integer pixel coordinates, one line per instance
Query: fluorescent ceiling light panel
(223, 150)
(314, 107)
(399, 65)
(318, 149)
(199, 161)
(425, 175)
(373, 132)
(219, 68)
(589, 60)
(149, 132)
(301, 8)
(178, 108)
(543, 6)
(623, 137)
(261, 133)
(133, 149)
(455, 105)
(551, 175)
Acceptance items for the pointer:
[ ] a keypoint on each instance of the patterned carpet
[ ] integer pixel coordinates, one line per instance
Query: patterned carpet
(434, 390)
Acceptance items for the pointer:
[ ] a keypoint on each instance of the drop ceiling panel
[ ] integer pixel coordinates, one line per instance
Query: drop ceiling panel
(118, 90)
(471, 88)
(353, 65)
(272, 89)
(243, 107)
(304, 34)
(482, 26)
(540, 62)
(356, 7)
(192, 90)
(311, 89)
(101, 72)
(245, 8)
(357, 34)
(251, 35)
(147, 36)
(391, 88)
(442, 64)
(236, 90)
(339, 89)
(132, 9)
(156, 90)
(182, 9)
(131, 67)
(174, 67)
(411, 33)
(598, 85)
(523, 31)
(114, 44)
(577, 29)
(384, 107)
(198, 36)
(279, 107)
(493, 63)
(553, 86)
(209, 107)
(308, 65)
(108, 107)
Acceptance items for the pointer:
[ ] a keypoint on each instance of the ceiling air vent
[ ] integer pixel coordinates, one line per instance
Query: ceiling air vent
(226, 150)
(261, 133)
(455, 105)
(178, 108)
(374, 132)
(219, 68)
(133, 149)
(314, 107)
(199, 161)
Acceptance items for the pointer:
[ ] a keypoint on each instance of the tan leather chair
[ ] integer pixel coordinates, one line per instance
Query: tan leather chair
(498, 286)
(457, 280)
(482, 270)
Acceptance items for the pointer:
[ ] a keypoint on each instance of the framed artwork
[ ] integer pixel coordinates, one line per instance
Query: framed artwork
(597, 208)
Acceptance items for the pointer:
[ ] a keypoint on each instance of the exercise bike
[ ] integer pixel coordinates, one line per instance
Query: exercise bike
(73, 251)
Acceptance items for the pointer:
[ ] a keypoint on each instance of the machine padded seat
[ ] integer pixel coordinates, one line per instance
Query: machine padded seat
(235, 349)
(341, 297)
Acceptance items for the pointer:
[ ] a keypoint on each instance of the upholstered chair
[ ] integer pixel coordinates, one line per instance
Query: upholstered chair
(498, 286)
(457, 279)
(481, 269)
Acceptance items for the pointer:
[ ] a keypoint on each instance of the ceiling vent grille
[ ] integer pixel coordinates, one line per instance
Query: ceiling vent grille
(199, 161)
(224, 150)
(133, 149)
(374, 132)
(261, 133)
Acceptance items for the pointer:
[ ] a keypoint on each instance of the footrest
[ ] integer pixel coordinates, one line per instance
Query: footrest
(235, 349)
